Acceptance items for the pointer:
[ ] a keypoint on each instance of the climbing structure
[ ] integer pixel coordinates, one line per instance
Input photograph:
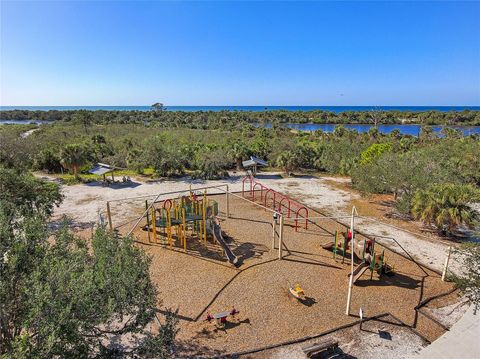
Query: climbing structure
(184, 218)
(370, 259)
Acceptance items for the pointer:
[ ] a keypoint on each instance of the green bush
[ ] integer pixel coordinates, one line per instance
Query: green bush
(373, 152)
(212, 164)
(48, 160)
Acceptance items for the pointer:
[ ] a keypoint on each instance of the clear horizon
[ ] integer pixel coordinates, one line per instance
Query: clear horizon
(296, 105)
(240, 53)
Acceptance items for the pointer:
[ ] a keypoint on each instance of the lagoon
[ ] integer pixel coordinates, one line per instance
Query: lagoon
(22, 122)
(412, 130)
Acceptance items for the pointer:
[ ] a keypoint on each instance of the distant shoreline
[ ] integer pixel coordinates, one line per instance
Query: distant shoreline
(231, 117)
(334, 109)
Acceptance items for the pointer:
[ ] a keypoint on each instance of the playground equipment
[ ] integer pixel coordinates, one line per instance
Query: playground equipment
(370, 259)
(187, 216)
(221, 318)
(217, 234)
(280, 202)
(339, 244)
(297, 292)
(181, 214)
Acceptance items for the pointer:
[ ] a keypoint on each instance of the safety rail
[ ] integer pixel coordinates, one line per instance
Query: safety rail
(277, 199)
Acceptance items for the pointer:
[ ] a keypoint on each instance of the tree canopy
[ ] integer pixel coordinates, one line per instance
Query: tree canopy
(61, 296)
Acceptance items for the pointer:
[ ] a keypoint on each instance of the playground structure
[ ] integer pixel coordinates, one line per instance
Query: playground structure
(363, 250)
(297, 292)
(190, 217)
(222, 317)
(193, 221)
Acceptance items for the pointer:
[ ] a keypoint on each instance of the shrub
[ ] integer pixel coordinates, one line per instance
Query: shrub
(373, 152)
(446, 206)
(212, 164)
(48, 160)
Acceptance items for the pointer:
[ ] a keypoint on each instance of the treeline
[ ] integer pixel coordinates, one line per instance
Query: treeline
(214, 119)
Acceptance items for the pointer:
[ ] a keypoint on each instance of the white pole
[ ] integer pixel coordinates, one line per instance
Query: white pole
(274, 225)
(352, 245)
(447, 260)
(228, 202)
(280, 241)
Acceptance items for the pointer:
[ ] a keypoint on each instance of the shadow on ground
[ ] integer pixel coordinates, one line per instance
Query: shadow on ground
(116, 185)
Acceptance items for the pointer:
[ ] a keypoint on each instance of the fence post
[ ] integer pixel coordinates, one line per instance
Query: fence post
(110, 224)
(445, 268)
(228, 202)
(148, 221)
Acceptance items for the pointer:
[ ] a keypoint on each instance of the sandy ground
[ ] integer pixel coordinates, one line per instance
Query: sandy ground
(83, 203)
(200, 281)
(383, 338)
(271, 308)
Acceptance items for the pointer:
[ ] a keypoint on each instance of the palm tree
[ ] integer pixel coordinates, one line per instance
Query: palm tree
(288, 161)
(73, 157)
(239, 151)
(446, 205)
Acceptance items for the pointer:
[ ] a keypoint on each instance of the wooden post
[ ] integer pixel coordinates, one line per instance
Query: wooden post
(204, 216)
(184, 231)
(352, 246)
(228, 202)
(361, 317)
(109, 215)
(280, 241)
(445, 267)
(148, 221)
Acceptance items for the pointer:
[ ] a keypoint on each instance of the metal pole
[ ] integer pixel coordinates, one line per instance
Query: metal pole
(148, 221)
(280, 241)
(228, 202)
(352, 245)
(447, 260)
(110, 224)
(274, 226)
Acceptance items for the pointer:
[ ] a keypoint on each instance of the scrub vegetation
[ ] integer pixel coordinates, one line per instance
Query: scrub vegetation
(432, 178)
(60, 292)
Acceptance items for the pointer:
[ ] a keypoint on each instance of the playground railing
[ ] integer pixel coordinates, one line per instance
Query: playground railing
(279, 200)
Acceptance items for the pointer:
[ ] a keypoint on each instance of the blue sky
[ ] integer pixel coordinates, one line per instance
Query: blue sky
(240, 53)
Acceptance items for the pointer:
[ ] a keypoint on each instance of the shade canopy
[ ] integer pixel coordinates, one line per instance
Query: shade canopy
(101, 169)
(254, 161)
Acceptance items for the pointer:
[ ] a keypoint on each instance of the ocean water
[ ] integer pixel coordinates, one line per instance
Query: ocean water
(336, 109)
